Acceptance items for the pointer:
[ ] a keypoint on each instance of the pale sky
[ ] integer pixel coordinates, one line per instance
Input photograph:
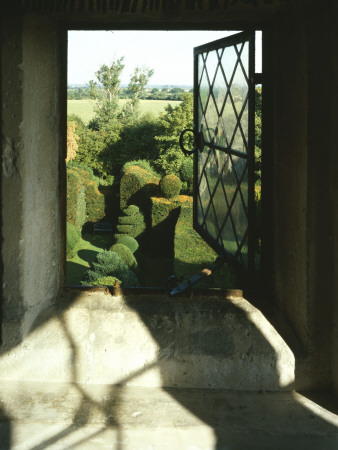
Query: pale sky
(168, 53)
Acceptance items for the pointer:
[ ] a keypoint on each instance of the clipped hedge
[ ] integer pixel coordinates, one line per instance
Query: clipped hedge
(137, 186)
(164, 215)
(186, 173)
(73, 237)
(76, 202)
(95, 203)
(192, 253)
(84, 201)
(125, 254)
(170, 186)
(131, 222)
(128, 241)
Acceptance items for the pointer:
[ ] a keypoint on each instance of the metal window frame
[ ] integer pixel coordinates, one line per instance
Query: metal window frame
(246, 36)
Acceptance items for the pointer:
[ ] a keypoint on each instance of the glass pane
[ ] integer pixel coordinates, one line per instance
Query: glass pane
(204, 90)
(229, 120)
(229, 59)
(239, 217)
(211, 118)
(228, 238)
(229, 179)
(211, 223)
(211, 65)
(211, 171)
(219, 90)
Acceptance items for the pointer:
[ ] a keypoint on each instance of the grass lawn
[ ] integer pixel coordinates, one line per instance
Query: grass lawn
(85, 108)
(86, 251)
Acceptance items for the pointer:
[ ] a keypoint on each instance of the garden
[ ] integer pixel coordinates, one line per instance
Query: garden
(129, 193)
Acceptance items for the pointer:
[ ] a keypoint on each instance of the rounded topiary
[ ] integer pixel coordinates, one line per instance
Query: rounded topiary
(128, 241)
(125, 254)
(131, 210)
(131, 222)
(170, 186)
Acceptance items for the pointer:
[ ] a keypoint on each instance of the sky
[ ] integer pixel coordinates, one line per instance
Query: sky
(168, 53)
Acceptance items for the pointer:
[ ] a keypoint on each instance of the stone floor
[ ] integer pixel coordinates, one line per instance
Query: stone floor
(57, 416)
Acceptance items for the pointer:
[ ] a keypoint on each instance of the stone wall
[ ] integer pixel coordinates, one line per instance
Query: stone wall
(300, 217)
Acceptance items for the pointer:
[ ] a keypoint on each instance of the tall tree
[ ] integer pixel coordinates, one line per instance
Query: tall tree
(136, 90)
(107, 94)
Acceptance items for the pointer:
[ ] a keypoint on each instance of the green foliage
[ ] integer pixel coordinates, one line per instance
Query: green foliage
(95, 203)
(144, 164)
(136, 91)
(73, 237)
(172, 122)
(84, 201)
(136, 142)
(131, 222)
(186, 173)
(108, 97)
(137, 185)
(76, 202)
(170, 186)
(128, 241)
(192, 253)
(125, 254)
(109, 264)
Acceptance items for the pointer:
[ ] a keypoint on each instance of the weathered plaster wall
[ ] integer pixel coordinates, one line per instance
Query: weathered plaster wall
(31, 248)
(334, 184)
(302, 249)
(12, 173)
(203, 342)
(41, 148)
(290, 169)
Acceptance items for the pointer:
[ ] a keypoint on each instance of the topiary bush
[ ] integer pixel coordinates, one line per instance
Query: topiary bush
(76, 202)
(170, 186)
(85, 203)
(137, 186)
(110, 264)
(73, 237)
(186, 174)
(95, 202)
(131, 222)
(128, 241)
(125, 254)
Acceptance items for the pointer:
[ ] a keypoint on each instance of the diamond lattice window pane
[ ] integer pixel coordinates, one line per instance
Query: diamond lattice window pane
(211, 65)
(229, 179)
(239, 217)
(229, 59)
(211, 222)
(228, 237)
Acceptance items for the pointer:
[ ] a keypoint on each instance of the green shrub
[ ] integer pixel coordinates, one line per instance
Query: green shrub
(170, 186)
(95, 203)
(128, 241)
(131, 210)
(131, 222)
(110, 264)
(186, 174)
(73, 237)
(125, 254)
(76, 202)
(137, 186)
(187, 169)
(144, 164)
(192, 253)
(107, 281)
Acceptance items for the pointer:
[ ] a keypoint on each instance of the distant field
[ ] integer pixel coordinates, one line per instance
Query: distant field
(85, 108)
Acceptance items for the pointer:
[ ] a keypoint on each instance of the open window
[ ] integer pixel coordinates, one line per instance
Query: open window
(224, 131)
